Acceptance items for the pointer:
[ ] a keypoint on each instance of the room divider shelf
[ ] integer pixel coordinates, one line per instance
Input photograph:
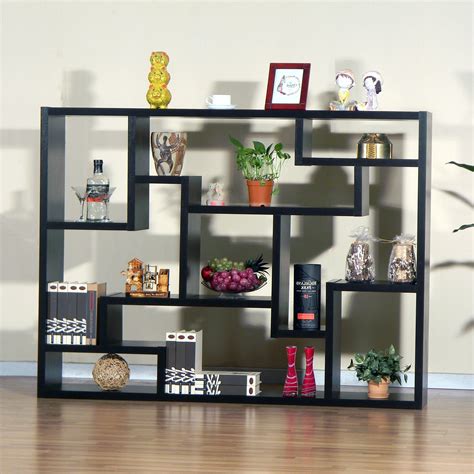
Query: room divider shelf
(124, 347)
(273, 210)
(72, 225)
(110, 319)
(393, 163)
(227, 301)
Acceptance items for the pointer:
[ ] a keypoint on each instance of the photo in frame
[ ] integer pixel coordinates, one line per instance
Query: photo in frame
(287, 86)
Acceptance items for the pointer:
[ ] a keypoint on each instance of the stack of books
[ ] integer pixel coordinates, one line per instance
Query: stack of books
(184, 374)
(72, 312)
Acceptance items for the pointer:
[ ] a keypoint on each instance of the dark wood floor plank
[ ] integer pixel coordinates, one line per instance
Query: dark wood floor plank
(78, 436)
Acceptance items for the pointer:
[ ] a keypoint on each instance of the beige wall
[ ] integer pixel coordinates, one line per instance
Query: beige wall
(96, 54)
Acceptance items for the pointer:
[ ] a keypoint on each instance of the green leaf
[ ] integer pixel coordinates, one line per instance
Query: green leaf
(278, 147)
(391, 350)
(259, 147)
(359, 358)
(463, 227)
(235, 142)
(269, 147)
(462, 165)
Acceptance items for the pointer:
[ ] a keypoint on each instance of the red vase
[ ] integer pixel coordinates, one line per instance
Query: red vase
(309, 383)
(291, 382)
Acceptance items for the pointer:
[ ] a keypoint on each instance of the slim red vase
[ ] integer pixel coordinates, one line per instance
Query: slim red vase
(309, 383)
(291, 382)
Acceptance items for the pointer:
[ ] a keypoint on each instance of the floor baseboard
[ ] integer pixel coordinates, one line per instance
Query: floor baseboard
(148, 372)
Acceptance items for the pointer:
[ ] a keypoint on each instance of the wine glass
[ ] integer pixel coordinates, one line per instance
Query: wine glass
(107, 197)
(81, 193)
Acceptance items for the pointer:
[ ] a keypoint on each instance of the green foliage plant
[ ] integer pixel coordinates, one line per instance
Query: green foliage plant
(260, 163)
(377, 366)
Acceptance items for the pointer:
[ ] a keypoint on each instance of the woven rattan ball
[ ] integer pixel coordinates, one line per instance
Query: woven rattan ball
(111, 372)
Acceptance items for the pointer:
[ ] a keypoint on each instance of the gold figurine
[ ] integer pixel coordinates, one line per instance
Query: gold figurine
(158, 95)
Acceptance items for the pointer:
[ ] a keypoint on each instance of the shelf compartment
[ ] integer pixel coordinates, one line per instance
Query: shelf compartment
(72, 225)
(234, 114)
(394, 162)
(91, 390)
(361, 399)
(125, 347)
(273, 210)
(381, 286)
(197, 300)
(298, 333)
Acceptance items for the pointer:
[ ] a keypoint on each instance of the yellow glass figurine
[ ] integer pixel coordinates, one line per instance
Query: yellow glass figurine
(158, 95)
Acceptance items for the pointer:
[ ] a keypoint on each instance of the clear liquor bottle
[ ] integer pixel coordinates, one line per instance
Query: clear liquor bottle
(97, 190)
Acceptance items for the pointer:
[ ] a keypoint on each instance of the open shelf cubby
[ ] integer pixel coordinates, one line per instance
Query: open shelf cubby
(51, 382)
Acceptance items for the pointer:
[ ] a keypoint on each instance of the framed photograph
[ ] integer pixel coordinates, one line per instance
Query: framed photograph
(287, 86)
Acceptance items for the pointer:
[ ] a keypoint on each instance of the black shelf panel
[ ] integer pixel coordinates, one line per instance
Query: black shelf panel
(273, 210)
(125, 347)
(298, 333)
(87, 225)
(92, 391)
(381, 286)
(234, 114)
(163, 179)
(198, 300)
(395, 162)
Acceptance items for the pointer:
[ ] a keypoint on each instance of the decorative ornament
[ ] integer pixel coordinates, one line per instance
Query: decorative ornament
(148, 282)
(168, 149)
(215, 195)
(373, 82)
(359, 261)
(402, 264)
(291, 381)
(374, 145)
(158, 95)
(111, 372)
(309, 383)
(345, 81)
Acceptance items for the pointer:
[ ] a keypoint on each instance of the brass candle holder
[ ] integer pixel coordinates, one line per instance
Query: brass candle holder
(373, 146)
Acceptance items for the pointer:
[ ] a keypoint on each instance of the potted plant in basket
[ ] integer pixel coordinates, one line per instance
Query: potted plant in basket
(379, 369)
(261, 167)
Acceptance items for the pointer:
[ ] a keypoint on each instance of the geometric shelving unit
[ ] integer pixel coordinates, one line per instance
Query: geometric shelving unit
(110, 322)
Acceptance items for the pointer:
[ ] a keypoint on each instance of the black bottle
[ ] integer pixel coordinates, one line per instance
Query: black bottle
(307, 297)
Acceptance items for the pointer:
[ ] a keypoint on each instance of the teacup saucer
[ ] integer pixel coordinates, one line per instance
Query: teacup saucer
(221, 107)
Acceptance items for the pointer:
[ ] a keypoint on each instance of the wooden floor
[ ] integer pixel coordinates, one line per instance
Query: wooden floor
(73, 436)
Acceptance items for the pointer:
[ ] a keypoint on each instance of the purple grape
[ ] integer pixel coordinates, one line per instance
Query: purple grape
(244, 282)
(236, 277)
(234, 272)
(233, 286)
(225, 274)
(243, 274)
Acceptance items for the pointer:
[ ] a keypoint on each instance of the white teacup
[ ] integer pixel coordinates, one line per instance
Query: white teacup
(219, 99)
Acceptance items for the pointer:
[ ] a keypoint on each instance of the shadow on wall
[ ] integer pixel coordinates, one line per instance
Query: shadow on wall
(327, 186)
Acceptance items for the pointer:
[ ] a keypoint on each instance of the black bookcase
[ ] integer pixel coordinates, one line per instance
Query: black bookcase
(51, 254)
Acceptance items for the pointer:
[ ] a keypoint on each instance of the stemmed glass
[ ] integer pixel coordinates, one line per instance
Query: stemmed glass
(81, 193)
(106, 201)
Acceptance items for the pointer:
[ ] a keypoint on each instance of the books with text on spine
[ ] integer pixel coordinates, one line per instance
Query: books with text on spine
(73, 312)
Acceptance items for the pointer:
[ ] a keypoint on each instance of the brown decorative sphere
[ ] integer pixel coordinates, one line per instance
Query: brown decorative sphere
(111, 372)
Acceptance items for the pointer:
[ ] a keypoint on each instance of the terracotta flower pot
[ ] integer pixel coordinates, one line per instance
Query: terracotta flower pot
(378, 390)
(260, 193)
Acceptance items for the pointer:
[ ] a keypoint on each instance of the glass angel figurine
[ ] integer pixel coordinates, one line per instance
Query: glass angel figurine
(215, 195)
(372, 81)
(345, 81)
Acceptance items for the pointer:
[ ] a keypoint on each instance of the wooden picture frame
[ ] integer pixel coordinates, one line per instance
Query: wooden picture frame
(287, 87)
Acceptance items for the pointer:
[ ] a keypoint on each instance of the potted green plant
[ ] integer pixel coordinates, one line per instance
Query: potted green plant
(261, 167)
(379, 369)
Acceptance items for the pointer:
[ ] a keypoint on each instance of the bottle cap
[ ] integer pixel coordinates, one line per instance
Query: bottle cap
(98, 162)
